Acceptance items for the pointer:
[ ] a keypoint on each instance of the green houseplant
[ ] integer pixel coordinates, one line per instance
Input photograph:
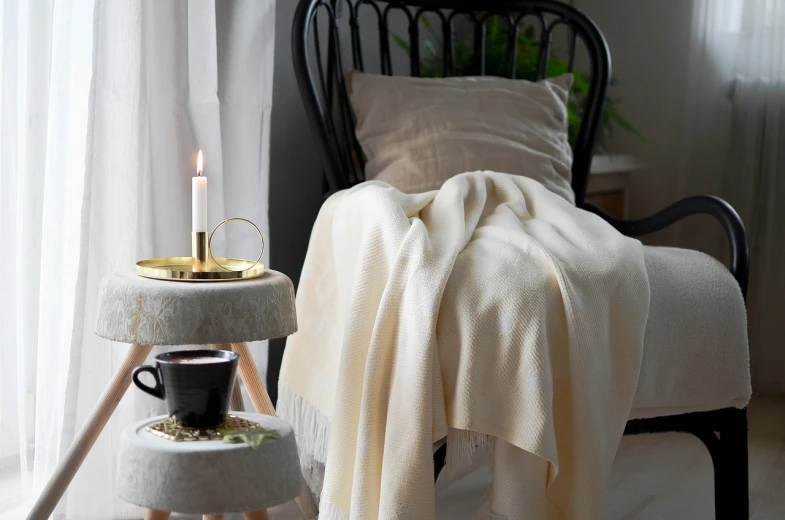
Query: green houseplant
(496, 36)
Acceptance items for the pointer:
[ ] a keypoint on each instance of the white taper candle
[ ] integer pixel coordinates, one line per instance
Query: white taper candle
(199, 198)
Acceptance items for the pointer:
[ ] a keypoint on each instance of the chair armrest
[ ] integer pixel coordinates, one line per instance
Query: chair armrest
(702, 204)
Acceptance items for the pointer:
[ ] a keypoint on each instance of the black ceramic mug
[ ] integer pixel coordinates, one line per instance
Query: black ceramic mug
(196, 384)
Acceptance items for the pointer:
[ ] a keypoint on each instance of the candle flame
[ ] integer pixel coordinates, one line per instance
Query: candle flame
(199, 163)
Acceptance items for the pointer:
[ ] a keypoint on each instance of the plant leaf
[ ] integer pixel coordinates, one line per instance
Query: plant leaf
(618, 119)
(429, 47)
(402, 44)
(252, 438)
(429, 27)
(580, 82)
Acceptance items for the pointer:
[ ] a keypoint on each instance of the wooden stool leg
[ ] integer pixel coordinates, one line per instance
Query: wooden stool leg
(76, 454)
(253, 380)
(256, 515)
(261, 401)
(152, 514)
(236, 402)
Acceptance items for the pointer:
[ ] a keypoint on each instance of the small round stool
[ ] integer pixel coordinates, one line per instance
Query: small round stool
(146, 312)
(208, 477)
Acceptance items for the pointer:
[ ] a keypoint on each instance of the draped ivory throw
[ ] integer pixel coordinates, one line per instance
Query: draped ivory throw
(491, 312)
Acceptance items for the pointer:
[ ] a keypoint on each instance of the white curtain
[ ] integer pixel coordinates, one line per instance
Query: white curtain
(103, 105)
(734, 146)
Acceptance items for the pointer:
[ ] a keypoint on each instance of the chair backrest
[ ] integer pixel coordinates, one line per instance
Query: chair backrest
(319, 57)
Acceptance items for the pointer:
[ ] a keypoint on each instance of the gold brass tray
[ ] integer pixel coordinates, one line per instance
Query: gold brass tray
(181, 268)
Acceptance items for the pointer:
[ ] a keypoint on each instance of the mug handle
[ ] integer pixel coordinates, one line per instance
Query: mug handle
(157, 390)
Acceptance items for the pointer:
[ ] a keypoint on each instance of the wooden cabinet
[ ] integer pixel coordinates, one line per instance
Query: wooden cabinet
(609, 183)
(613, 202)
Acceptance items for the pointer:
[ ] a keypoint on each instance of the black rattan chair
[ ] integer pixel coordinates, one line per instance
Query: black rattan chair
(320, 26)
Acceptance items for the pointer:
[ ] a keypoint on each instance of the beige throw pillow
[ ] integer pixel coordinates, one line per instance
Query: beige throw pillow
(418, 132)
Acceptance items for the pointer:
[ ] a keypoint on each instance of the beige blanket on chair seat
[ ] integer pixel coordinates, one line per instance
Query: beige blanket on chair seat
(491, 311)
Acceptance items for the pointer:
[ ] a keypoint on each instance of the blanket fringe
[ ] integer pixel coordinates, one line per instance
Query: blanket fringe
(311, 426)
(312, 431)
(328, 511)
(461, 448)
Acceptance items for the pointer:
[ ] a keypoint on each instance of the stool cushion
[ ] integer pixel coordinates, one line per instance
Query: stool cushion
(208, 477)
(134, 309)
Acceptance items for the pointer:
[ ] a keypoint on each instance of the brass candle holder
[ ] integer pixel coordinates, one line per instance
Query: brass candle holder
(199, 246)
(202, 266)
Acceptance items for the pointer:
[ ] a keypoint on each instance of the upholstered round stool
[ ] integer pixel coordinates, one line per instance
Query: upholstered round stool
(208, 477)
(143, 311)
(146, 312)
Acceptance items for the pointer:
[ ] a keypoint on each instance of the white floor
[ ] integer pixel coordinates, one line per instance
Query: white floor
(663, 476)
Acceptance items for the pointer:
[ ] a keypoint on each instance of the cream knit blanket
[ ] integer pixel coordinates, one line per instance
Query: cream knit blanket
(492, 310)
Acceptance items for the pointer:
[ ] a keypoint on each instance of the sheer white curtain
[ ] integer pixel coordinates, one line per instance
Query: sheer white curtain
(734, 146)
(104, 103)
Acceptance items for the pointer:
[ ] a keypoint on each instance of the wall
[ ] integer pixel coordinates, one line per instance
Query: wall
(295, 168)
(649, 44)
(295, 171)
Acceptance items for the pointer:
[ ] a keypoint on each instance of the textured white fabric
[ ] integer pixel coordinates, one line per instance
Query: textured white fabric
(418, 132)
(695, 351)
(104, 104)
(492, 309)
